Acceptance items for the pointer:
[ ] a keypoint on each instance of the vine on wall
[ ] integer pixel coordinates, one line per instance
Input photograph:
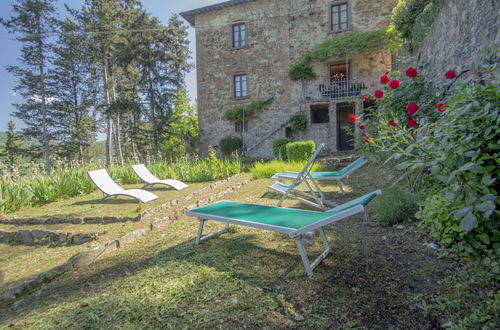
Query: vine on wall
(246, 110)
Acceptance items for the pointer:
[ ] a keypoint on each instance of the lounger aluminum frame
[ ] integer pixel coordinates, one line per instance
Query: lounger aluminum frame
(297, 224)
(149, 179)
(314, 196)
(109, 188)
(327, 176)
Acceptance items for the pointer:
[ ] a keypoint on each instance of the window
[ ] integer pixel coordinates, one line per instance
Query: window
(319, 114)
(240, 85)
(239, 35)
(339, 17)
(238, 126)
(339, 71)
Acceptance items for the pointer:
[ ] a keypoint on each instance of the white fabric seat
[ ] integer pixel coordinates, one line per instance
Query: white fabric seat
(109, 187)
(142, 172)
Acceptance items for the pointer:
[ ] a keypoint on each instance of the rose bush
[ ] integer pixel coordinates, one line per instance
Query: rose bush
(447, 152)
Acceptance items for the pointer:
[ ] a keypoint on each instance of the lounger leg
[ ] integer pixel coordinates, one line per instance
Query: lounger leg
(341, 185)
(199, 236)
(303, 254)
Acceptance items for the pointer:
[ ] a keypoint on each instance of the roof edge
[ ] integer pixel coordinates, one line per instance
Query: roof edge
(190, 15)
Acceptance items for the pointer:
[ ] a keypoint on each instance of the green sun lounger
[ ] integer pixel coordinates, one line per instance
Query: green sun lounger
(319, 176)
(297, 224)
(313, 196)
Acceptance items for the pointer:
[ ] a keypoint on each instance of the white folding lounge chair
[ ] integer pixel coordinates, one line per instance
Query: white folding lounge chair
(148, 177)
(339, 176)
(109, 187)
(314, 196)
(297, 224)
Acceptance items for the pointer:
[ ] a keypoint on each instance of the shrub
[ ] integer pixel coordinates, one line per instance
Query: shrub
(298, 122)
(230, 145)
(279, 148)
(299, 151)
(268, 169)
(395, 205)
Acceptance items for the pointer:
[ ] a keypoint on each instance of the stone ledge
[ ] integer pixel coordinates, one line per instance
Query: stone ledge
(41, 237)
(88, 257)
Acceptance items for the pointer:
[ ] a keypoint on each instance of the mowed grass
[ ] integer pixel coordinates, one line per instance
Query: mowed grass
(376, 277)
(21, 262)
(244, 278)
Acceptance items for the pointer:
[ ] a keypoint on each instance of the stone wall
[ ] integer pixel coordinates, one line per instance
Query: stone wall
(278, 31)
(459, 35)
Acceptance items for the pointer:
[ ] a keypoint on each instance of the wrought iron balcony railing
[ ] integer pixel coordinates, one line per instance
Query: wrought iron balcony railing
(333, 88)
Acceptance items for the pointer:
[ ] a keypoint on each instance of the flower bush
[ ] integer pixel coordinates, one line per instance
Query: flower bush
(447, 152)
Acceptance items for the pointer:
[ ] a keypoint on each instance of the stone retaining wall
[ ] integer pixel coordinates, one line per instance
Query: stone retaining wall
(40, 237)
(85, 258)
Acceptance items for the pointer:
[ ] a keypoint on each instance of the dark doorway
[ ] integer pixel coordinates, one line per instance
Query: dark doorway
(345, 129)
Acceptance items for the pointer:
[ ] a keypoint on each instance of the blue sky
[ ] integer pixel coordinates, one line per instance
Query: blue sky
(10, 49)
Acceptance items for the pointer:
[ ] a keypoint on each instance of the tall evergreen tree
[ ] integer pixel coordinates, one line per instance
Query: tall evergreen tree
(12, 148)
(73, 83)
(33, 20)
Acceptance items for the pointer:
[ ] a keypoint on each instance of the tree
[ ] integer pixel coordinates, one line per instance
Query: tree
(181, 135)
(73, 82)
(12, 149)
(33, 21)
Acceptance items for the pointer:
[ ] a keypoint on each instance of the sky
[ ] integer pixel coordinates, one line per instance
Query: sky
(10, 49)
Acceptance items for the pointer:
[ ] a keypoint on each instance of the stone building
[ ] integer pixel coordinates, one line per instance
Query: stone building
(244, 50)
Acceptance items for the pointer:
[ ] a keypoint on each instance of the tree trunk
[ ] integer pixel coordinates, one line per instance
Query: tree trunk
(109, 131)
(46, 146)
(153, 112)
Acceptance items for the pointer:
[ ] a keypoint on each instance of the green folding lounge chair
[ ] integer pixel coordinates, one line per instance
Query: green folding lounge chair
(297, 224)
(319, 176)
(313, 196)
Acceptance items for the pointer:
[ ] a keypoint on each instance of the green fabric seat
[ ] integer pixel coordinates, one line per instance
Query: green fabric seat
(298, 224)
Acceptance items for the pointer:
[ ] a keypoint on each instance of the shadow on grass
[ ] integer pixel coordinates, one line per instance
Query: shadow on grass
(110, 200)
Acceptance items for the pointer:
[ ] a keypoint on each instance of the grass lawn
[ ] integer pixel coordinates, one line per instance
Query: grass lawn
(21, 262)
(376, 277)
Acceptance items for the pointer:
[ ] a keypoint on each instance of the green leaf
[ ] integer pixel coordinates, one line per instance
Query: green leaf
(468, 223)
(483, 237)
(463, 211)
(435, 169)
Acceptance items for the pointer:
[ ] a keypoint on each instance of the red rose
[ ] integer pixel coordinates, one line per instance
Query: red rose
(450, 74)
(387, 72)
(361, 126)
(352, 118)
(409, 115)
(411, 72)
(366, 140)
(366, 98)
(411, 123)
(364, 135)
(393, 123)
(394, 84)
(412, 108)
(442, 107)
(384, 79)
(378, 94)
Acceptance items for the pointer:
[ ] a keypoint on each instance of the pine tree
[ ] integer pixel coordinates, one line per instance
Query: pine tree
(33, 20)
(73, 82)
(12, 149)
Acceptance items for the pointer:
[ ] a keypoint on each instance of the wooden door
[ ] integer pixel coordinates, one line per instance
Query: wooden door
(345, 129)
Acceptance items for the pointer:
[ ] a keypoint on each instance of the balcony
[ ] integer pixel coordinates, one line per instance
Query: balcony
(333, 89)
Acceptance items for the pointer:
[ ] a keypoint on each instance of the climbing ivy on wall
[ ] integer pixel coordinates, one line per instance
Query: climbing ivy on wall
(348, 43)
(246, 110)
(412, 20)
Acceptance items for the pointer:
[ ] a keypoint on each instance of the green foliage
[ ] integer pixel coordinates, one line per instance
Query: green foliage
(349, 43)
(40, 189)
(451, 155)
(300, 151)
(279, 148)
(303, 70)
(412, 19)
(12, 148)
(298, 122)
(182, 133)
(395, 205)
(231, 145)
(265, 170)
(238, 112)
